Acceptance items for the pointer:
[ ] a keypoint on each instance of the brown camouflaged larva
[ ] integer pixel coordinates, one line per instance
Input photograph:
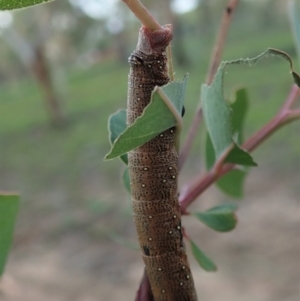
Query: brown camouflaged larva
(153, 176)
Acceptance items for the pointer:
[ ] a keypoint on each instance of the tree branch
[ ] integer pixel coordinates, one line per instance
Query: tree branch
(284, 116)
(221, 39)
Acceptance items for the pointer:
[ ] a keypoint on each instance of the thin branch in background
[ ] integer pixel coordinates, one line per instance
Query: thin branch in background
(213, 67)
(221, 39)
(190, 138)
(284, 116)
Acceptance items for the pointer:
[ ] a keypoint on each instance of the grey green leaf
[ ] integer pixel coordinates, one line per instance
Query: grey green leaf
(116, 126)
(216, 111)
(239, 110)
(126, 180)
(220, 218)
(14, 4)
(233, 183)
(217, 117)
(204, 261)
(162, 113)
(9, 205)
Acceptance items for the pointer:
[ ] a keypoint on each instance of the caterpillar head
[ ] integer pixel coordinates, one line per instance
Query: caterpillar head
(151, 42)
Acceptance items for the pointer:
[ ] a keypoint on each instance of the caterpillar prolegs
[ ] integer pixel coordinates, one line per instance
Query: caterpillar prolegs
(153, 176)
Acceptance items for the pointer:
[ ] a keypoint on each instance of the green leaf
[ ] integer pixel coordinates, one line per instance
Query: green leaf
(216, 112)
(116, 126)
(126, 180)
(239, 109)
(9, 205)
(217, 117)
(210, 156)
(233, 183)
(162, 113)
(220, 218)
(239, 156)
(205, 262)
(236, 155)
(14, 4)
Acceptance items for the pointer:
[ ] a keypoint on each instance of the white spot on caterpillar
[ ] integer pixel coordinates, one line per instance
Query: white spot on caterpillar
(170, 167)
(161, 135)
(163, 291)
(164, 181)
(170, 232)
(149, 66)
(158, 62)
(141, 86)
(145, 168)
(183, 267)
(159, 269)
(138, 98)
(174, 216)
(143, 185)
(174, 177)
(171, 131)
(187, 276)
(150, 216)
(178, 227)
(150, 239)
(181, 283)
(160, 67)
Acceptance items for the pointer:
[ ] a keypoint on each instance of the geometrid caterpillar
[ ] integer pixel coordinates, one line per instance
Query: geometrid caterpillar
(153, 178)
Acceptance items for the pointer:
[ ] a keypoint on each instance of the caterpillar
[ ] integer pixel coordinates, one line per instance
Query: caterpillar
(153, 175)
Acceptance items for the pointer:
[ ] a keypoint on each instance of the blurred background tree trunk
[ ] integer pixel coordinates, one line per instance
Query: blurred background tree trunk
(42, 74)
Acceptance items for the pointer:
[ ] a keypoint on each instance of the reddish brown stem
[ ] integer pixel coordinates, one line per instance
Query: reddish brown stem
(284, 116)
(144, 292)
(214, 63)
(221, 39)
(294, 93)
(190, 139)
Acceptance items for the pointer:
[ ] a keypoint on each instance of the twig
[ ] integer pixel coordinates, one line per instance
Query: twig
(144, 292)
(279, 120)
(293, 115)
(220, 42)
(214, 63)
(190, 139)
(142, 14)
(294, 93)
(284, 116)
